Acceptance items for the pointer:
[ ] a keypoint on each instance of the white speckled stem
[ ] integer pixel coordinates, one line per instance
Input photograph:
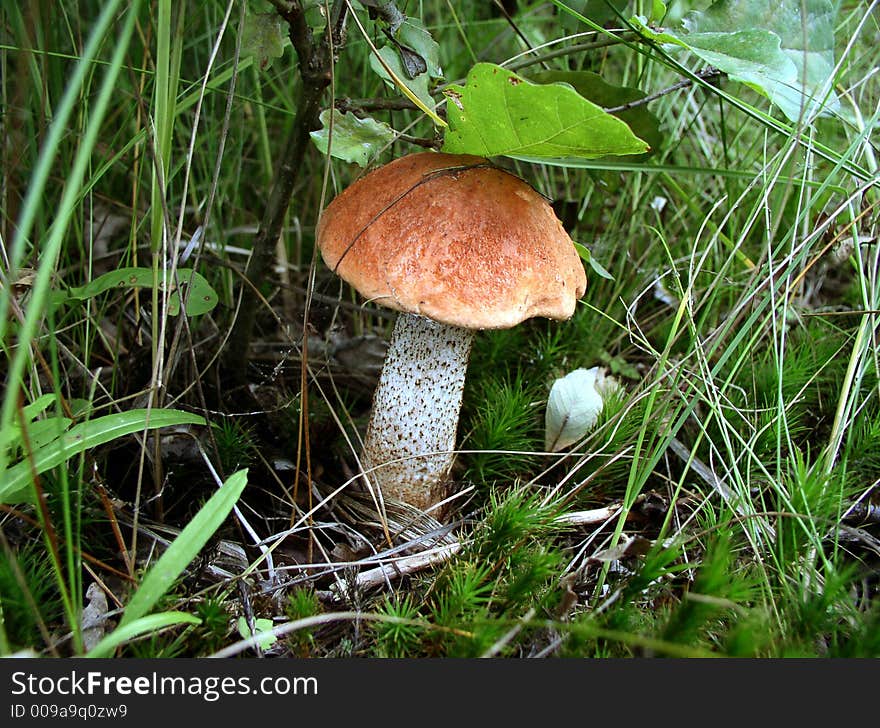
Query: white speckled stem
(408, 449)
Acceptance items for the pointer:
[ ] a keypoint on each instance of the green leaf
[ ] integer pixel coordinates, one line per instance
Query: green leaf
(588, 258)
(643, 123)
(38, 406)
(263, 37)
(418, 86)
(38, 432)
(144, 625)
(784, 50)
(42, 432)
(416, 39)
(185, 547)
(262, 631)
(16, 481)
(79, 407)
(498, 112)
(354, 140)
(419, 52)
(202, 298)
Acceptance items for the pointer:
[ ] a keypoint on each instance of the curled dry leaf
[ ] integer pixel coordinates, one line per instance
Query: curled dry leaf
(574, 405)
(627, 548)
(93, 620)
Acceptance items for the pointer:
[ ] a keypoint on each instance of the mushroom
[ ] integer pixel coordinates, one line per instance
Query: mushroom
(456, 245)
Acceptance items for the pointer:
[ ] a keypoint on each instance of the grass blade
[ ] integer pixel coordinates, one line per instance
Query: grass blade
(144, 625)
(15, 484)
(185, 547)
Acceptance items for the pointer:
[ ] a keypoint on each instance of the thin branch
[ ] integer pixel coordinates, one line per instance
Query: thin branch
(706, 73)
(315, 66)
(380, 575)
(359, 106)
(541, 58)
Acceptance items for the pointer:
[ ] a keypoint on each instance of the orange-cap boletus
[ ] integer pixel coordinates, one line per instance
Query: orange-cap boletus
(455, 244)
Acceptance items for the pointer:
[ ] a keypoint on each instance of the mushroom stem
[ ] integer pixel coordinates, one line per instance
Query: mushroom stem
(410, 442)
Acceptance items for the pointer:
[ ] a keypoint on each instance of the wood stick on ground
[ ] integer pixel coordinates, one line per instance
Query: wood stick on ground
(373, 578)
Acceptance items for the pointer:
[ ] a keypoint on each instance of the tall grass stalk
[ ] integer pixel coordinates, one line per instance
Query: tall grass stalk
(864, 350)
(32, 207)
(69, 585)
(163, 113)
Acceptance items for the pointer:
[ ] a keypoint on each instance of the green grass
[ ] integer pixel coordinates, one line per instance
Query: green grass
(741, 327)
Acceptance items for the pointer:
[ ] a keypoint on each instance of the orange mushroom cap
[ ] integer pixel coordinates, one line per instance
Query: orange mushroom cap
(453, 238)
